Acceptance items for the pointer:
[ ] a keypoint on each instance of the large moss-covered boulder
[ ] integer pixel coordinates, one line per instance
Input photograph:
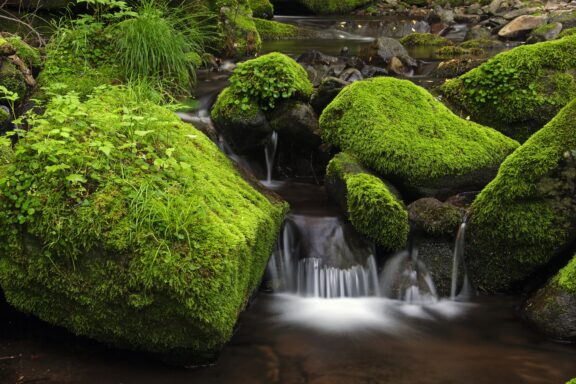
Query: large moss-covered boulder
(552, 309)
(519, 91)
(526, 215)
(261, 8)
(257, 88)
(406, 135)
(123, 224)
(372, 207)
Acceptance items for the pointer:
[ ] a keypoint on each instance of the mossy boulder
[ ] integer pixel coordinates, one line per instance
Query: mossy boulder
(552, 309)
(123, 224)
(485, 43)
(526, 215)
(545, 33)
(373, 209)
(424, 39)
(452, 51)
(273, 30)
(256, 88)
(261, 8)
(402, 132)
(518, 91)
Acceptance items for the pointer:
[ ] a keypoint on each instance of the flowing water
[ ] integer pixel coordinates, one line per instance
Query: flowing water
(336, 310)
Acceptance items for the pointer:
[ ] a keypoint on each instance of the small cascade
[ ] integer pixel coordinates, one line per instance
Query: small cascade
(323, 257)
(457, 262)
(270, 153)
(406, 278)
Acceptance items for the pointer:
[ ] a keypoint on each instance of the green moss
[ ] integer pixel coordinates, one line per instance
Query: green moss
(515, 91)
(6, 49)
(482, 43)
(401, 131)
(453, 51)
(543, 29)
(272, 30)
(241, 35)
(333, 6)
(525, 214)
(28, 54)
(435, 218)
(228, 109)
(372, 208)
(567, 32)
(424, 39)
(123, 224)
(261, 8)
(567, 277)
(573, 381)
(13, 79)
(268, 79)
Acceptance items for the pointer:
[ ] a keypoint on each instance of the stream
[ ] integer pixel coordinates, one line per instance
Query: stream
(321, 316)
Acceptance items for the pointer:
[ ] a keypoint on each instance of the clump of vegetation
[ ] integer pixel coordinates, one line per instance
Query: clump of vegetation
(402, 132)
(269, 79)
(482, 43)
(520, 90)
(160, 43)
(424, 39)
(567, 277)
(372, 208)
(30, 55)
(526, 214)
(123, 224)
(435, 218)
(567, 32)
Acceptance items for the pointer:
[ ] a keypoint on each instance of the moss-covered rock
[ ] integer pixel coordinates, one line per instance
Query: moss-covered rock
(258, 86)
(123, 224)
(552, 309)
(424, 39)
(485, 43)
(272, 30)
(406, 135)
(261, 8)
(519, 91)
(451, 51)
(526, 215)
(545, 33)
(333, 6)
(373, 209)
(6, 49)
(241, 37)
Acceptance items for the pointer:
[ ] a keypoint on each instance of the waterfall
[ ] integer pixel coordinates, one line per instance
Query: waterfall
(457, 261)
(322, 257)
(270, 153)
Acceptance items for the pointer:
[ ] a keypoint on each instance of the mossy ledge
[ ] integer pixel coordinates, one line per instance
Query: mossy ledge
(134, 229)
(403, 133)
(372, 208)
(519, 91)
(525, 216)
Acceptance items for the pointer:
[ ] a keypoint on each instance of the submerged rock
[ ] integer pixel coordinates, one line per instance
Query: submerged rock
(526, 215)
(372, 207)
(402, 132)
(552, 309)
(519, 91)
(138, 232)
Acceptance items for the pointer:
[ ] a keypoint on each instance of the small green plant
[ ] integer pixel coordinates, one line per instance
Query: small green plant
(267, 80)
(495, 81)
(10, 97)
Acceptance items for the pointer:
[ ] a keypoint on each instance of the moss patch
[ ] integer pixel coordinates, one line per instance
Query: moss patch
(567, 277)
(261, 8)
(517, 91)
(272, 30)
(134, 229)
(526, 214)
(372, 208)
(13, 79)
(482, 43)
(424, 39)
(567, 32)
(333, 6)
(30, 55)
(401, 131)
(449, 52)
